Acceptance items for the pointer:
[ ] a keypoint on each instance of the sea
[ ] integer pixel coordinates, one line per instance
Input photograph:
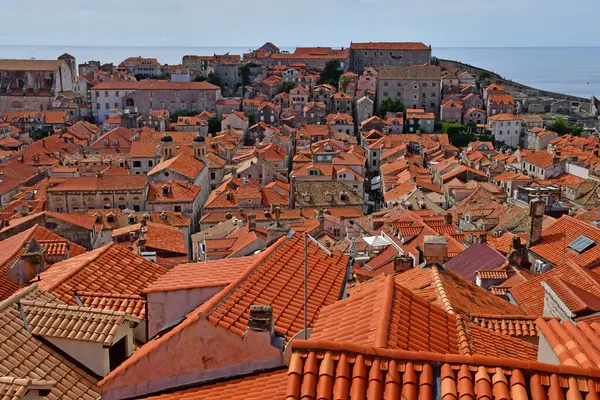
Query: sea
(569, 70)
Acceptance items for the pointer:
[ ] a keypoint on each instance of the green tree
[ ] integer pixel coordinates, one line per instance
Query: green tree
(245, 74)
(288, 86)
(41, 133)
(214, 125)
(344, 81)
(484, 75)
(213, 78)
(390, 105)
(561, 127)
(331, 73)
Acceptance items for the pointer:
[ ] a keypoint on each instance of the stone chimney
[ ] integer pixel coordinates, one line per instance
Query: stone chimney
(251, 222)
(435, 250)
(536, 218)
(260, 318)
(516, 252)
(275, 231)
(402, 263)
(448, 219)
(31, 263)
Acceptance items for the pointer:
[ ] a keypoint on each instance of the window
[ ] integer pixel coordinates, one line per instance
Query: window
(97, 106)
(137, 164)
(116, 105)
(117, 93)
(107, 106)
(150, 163)
(385, 84)
(385, 94)
(213, 175)
(177, 208)
(106, 93)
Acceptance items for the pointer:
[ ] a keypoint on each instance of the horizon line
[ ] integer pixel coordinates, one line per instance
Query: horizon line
(251, 47)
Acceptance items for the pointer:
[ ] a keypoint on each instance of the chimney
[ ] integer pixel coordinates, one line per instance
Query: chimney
(402, 263)
(448, 219)
(31, 264)
(435, 250)
(260, 318)
(515, 253)
(251, 222)
(274, 232)
(536, 218)
(292, 199)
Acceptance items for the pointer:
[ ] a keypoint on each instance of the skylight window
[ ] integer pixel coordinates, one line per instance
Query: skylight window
(582, 244)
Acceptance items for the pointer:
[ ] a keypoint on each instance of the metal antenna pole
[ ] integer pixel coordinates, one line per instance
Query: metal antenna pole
(305, 285)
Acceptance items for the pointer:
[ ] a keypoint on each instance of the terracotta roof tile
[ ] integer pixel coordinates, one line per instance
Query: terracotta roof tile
(109, 269)
(382, 313)
(574, 345)
(182, 163)
(26, 356)
(133, 305)
(12, 388)
(326, 275)
(12, 248)
(267, 385)
(509, 325)
(59, 321)
(334, 370)
(178, 191)
(530, 294)
(556, 238)
(202, 274)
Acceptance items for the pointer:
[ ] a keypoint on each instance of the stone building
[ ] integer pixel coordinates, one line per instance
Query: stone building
(32, 85)
(506, 128)
(416, 86)
(114, 191)
(379, 54)
(364, 109)
(145, 96)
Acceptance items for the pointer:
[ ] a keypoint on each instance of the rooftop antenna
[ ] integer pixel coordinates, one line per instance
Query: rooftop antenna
(312, 239)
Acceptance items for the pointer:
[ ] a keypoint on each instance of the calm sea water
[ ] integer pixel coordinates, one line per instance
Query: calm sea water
(570, 70)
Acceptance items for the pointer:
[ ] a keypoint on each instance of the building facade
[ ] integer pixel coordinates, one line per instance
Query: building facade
(416, 86)
(379, 54)
(145, 96)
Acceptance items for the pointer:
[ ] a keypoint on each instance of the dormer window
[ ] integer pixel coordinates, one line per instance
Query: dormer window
(165, 190)
(343, 197)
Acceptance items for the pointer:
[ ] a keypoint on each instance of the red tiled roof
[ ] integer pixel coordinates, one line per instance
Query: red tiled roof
(326, 275)
(530, 295)
(185, 165)
(574, 345)
(179, 191)
(334, 370)
(509, 325)
(12, 248)
(109, 269)
(556, 238)
(389, 46)
(267, 385)
(202, 274)
(381, 313)
(132, 304)
(506, 98)
(445, 287)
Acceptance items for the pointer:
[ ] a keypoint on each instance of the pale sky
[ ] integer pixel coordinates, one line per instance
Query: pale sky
(460, 23)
